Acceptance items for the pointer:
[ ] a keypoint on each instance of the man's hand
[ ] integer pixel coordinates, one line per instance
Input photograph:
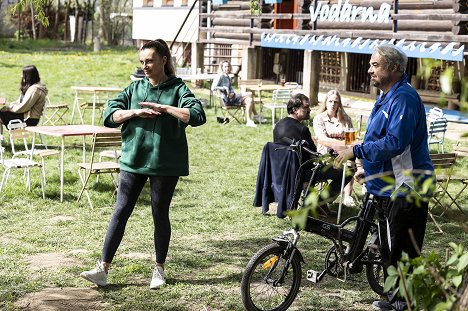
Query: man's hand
(359, 176)
(342, 157)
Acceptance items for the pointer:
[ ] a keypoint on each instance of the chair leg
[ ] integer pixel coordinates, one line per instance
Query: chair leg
(42, 176)
(28, 179)
(43, 170)
(84, 188)
(273, 118)
(453, 201)
(435, 222)
(465, 184)
(6, 174)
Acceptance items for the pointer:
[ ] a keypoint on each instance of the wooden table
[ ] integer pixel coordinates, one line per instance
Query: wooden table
(63, 131)
(95, 90)
(267, 87)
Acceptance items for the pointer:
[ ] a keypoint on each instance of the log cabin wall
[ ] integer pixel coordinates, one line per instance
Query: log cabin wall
(442, 21)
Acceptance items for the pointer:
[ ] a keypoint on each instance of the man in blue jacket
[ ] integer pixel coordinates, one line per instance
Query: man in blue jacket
(395, 145)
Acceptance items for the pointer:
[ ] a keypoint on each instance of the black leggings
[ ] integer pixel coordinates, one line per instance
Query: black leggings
(130, 186)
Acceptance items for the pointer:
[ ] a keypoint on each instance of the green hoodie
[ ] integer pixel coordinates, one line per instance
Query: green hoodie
(155, 146)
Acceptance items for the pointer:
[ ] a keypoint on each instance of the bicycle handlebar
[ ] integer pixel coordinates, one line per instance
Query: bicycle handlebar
(301, 143)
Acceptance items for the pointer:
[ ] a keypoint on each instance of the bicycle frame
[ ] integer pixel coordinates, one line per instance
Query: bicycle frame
(352, 255)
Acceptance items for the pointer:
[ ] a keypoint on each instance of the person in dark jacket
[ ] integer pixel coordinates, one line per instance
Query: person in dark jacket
(395, 145)
(298, 108)
(153, 113)
(30, 105)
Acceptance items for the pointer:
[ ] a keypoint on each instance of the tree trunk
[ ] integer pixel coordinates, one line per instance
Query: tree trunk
(56, 21)
(33, 22)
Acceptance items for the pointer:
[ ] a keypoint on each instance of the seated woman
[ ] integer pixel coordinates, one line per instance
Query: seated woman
(230, 98)
(329, 124)
(30, 104)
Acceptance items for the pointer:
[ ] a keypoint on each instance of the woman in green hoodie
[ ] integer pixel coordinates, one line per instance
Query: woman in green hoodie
(30, 104)
(153, 113)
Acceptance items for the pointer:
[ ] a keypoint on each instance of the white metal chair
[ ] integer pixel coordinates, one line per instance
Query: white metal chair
(280, 99)
(436, 133)
(54, 113)
(17, 132)
(20, 161)
(86, 169)
(291, 85)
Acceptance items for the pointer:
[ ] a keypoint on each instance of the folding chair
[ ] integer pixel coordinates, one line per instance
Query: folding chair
(280, 99)
(17, 132)
(230, 111)
(436, 133)
(20, 161)
(444, 163)
(54, 113)
(86, 169)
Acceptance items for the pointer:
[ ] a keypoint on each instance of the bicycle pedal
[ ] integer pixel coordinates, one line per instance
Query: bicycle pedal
(312, 276)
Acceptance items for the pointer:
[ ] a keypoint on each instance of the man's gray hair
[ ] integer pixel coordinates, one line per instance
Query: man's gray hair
(392, 56)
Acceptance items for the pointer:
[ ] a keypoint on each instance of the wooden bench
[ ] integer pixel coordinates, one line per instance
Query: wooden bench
(436, 97)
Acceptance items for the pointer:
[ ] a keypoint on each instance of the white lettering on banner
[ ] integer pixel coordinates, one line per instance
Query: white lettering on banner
(349, 13)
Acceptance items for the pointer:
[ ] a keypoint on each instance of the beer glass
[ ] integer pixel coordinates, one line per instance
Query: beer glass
(350, 136)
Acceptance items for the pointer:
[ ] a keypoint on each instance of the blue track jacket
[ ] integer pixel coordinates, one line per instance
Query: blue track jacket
(395, 140)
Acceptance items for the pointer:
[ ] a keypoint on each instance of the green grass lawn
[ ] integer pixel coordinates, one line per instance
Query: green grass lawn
(215, 229)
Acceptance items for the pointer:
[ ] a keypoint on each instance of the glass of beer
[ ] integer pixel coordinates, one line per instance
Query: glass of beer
(350, 136)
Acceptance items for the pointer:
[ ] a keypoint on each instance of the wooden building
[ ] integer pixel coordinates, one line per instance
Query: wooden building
(328, 44)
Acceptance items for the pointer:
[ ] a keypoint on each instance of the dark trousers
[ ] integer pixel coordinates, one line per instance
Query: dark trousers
(399, 217)
(130, 186)
(333, 176)
(7, 116)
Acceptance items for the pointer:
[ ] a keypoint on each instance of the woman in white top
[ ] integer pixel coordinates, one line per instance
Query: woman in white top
(329, 124)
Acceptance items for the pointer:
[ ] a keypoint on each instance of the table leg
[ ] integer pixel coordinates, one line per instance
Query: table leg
(62, 154)
(94, 108)
(75, 106)
(341, 193)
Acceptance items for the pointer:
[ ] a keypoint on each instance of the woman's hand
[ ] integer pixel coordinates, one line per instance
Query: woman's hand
(157, 108)
(147, 113)
(182, 114)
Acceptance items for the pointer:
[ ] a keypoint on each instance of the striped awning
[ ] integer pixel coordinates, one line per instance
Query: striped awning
(362, 46)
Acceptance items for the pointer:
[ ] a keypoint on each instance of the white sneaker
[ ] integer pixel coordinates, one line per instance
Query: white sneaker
(348, 201)
(251, 123)
(98, 276)
(159, 278)
(259, 118)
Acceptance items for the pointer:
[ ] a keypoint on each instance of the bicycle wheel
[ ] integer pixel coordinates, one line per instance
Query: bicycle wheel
(261, 287)
(376, 274)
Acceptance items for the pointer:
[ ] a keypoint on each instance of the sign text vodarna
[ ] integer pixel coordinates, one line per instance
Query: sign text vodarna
(345, 12)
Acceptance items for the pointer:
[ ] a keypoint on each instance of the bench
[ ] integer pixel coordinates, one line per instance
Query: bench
(437, 97)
